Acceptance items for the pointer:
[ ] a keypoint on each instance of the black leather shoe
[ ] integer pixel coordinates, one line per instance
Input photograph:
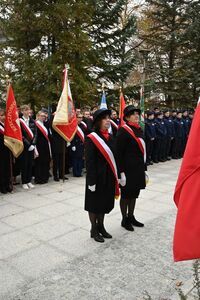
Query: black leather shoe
(96, 235)
(127, 224)
(104, 233)
(56, 179)
(134, 222)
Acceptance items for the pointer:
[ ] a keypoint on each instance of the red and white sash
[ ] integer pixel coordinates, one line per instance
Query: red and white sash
(80, 134)
(140, 141)
(84, 125)
(114, 124)
(26, 128)
(44, 131)
(108, 155)
(2, 130)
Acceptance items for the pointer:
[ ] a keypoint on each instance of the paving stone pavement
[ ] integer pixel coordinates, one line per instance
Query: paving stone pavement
(46, 252)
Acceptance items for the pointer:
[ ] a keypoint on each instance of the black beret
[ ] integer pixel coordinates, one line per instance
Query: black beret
(130, 109)
(100, 113)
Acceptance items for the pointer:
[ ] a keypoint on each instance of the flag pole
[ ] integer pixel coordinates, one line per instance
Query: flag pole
(8, 82)
(64, 145)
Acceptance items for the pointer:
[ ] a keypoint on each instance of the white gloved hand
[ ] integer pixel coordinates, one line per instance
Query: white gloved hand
(31, 148)
(122, 181)
(146, 177)
(73, 148)
(92, 188)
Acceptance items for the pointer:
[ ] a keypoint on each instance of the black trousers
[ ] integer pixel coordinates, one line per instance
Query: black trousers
(167, 147)
(149, 149)
(5, 170)
(26, 161)
(58, 165)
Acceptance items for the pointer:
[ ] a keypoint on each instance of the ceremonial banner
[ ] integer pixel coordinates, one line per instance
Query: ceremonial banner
(103, 101)
(187, 195)
(65, 121)
(142, 107)
(122, 105)
(12, 134)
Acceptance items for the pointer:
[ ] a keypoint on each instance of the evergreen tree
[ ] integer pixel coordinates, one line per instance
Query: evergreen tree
(168, 21)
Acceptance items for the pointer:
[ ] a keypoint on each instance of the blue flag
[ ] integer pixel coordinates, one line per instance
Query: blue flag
(103, 101)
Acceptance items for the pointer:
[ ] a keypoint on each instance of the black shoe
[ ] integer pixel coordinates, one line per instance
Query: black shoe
(96, 235)
(155, 161)
(168, 158)
(104, 233)
(127, 224)
(65, 178)
(151, 162)
(3, 191)
(134, 222)
(56, 179)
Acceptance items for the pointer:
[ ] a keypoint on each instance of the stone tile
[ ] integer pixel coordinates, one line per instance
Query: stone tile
(78, 218)
(50, 229)
(15, 242)
(77, 243)
(24, 219)
(33, 201)
(10, 210)
(61, 195)
(56, 209)
(77, 202)
(38, 260)
(4, 228)
(9, 280)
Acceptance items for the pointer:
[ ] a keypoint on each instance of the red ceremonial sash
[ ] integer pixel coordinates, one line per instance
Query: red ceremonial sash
(44, 131)
(26, 128)
(114, 124)
(80, 134)
(140, 141)
(84, 124)
(108, 155)
(2, 129)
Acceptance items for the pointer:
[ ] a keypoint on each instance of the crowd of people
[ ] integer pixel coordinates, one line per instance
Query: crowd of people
(115, 156)
(165, 133)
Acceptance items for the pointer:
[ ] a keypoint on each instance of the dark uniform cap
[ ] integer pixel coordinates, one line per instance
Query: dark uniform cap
(159, 113)
(150, 113)
(166, 110)
(130, 109)
(100, 113)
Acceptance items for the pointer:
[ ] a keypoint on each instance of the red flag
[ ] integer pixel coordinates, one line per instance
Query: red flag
(65, 121)
(187, 198)
(13, 134)
(122, 105)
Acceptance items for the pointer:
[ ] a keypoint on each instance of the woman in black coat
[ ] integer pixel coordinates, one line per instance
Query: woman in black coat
(101, 180)
(130, 149)
(5, 160)
(42, 162)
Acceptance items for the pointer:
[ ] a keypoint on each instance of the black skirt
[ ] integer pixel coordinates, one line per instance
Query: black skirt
(132, 194)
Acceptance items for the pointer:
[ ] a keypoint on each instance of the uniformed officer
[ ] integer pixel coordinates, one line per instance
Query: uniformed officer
(170, 133)
(150, 136)
(161, 133)
(178, 147)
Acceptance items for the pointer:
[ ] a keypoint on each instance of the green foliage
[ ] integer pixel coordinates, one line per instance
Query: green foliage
(172, 37)
(41, 36)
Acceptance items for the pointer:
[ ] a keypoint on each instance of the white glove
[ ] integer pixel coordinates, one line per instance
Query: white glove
(146, 177)
(73, 148)
(92, 188)
(122, 181)
(31, 148)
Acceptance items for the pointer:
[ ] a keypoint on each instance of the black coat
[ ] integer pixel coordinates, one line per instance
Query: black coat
(26, 139)
(130, 161)
(99, 173)
(5, 170)
(57, 142)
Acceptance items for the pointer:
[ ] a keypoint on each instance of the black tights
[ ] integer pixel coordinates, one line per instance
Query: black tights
(96, 219)
(127, 206)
